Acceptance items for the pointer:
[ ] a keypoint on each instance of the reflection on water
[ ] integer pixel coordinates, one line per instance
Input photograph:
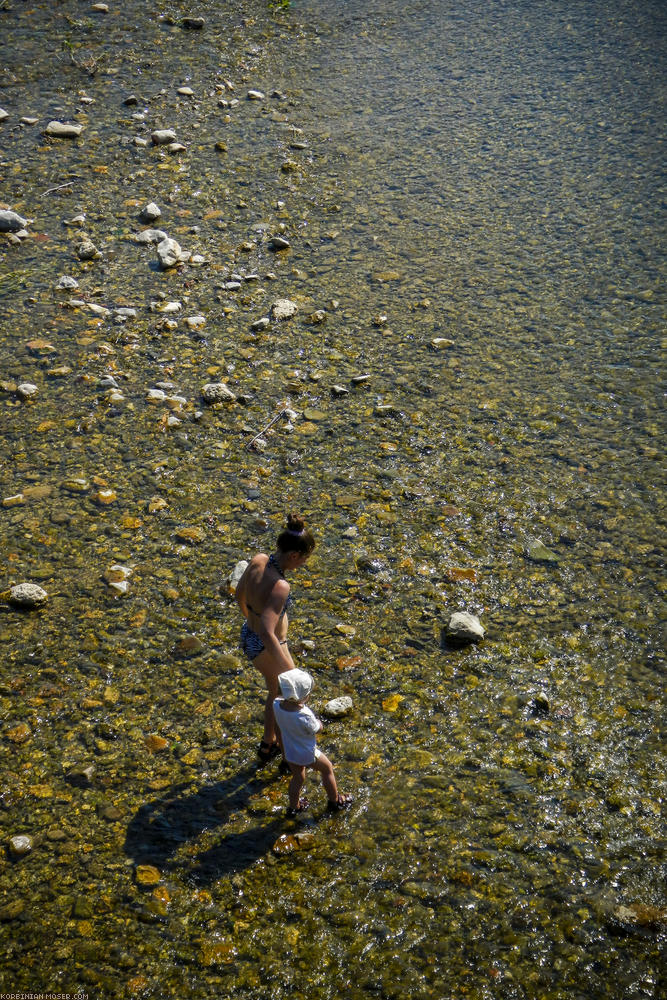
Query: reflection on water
(472, 202)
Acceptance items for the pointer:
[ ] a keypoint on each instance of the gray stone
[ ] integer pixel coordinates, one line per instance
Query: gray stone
(464, 627)
(27, 390)
(10, 222)
(261, 324)
(279, 243)
(163, 136)
(235, 576)
(337, 707)
(4, 115)
(64, 130)
(67, 282)
(537, 551)
(217, 392)
(170, 254)
(151, 236)
(283, 309)
(151, 212)
(27, 595)
(256, 95)
(86, 250)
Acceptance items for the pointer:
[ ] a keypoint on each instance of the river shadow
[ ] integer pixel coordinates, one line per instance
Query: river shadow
(162, 827)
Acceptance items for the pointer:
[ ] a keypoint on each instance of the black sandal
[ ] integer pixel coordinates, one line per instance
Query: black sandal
(342, 802)
(291, 813)
(284, 768)
(267, 751)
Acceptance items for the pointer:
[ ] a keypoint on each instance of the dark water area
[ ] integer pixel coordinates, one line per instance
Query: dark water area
(473, 198)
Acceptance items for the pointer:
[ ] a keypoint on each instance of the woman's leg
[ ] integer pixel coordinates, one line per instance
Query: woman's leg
(296, 784)
(270, 671)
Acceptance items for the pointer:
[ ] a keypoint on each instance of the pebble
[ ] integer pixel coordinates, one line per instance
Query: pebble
(261, 324)
(170, 254)
(151, 212)
(151, 236)
(537, 551)
(195, 322)
(20, 846)
(27, 595)
(279, 243)
(163, 136)
(4, 115)
(81, 774)
(64, 130)
(116, 578)
(235, 575)
(256, 95)
(337, 707)
(86, 250)
(464, 627)
(101, 8)
(217, 392)
(10, 222)
(186, 92)
(339, 390)
(283, 309)
(67, 282)
(193, 23)
(175, 147)
(147, 876)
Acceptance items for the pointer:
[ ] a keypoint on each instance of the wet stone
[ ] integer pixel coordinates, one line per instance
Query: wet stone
(188, 646)
(147, 876)
(64, 130)
(217, 392)
(10, 222)
(283, 309)
(162, 137)
(28, 595)
(337, 708)
(537, 551)
(464, 627)
(20, 846)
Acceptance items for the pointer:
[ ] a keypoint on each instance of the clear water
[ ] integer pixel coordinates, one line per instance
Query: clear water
(489, 175)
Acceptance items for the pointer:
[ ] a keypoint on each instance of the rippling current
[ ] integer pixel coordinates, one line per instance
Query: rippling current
(473, 197)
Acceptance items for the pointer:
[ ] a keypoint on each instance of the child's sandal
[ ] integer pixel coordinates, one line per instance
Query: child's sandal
(342, 802)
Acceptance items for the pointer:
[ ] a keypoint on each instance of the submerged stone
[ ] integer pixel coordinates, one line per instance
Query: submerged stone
(27, 595)
(338, 707)
(464, 627)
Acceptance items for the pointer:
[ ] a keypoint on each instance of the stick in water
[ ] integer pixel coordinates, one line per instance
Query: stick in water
(270, 424)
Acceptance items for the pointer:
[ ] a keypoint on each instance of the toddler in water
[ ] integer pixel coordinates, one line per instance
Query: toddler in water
(298, 727)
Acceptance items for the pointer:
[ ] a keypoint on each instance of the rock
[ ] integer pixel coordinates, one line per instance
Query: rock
(217, 392)
(100, 8)
(19, 734)
(195, 322)
(20, 846)
(67, 282)
(151, 212)
(537, 551)
(64, 130)
(261, 324)
(175, 147)
(283, 309)
(4, 115)
(10, 222)
(464, 627)
(256, 95)
(105, 497)
(11, 910)
(540, 705)
(81, 774)
(170, 254)
(82, 910)
(116, 577)
(279, 243)
(191, 535)
(188, 646)
(289, 842)
(156, 743)
(151, 236)
(235, 575)
(337, 707)
(26, 390)
(439, 343)
(193, 23)
(163, 136)
(86, 250)
(186, 92)
(147, 876)
(27, 595)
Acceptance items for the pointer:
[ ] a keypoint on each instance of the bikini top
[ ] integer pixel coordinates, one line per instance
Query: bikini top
(288, 602)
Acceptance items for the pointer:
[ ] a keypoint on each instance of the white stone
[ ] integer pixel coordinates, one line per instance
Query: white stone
(156, 396)
(3, 115)
(163, 136)
(27, 389)
(235, 576)
(169, 253)
(464, 627)
(256, 95)
(150, 236)
(67, 282)
(283, 309)
(27, 595)
(217, 392)
(64, 130)
(337, 707)
(151, 212)
(194, 322)
(20, 845)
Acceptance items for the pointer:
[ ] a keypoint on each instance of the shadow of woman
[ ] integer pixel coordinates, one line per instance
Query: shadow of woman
(161, 827)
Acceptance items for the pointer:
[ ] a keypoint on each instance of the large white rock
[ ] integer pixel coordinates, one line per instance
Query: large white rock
(64, 130)
(235, 575)
(283, 309)
(163, 136)
(464, 627)
(337, 707)
(28, 595)
(170, 253)
(151, 212)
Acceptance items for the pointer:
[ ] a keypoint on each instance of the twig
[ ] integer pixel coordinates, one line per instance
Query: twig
(270, 424)
(60, 186)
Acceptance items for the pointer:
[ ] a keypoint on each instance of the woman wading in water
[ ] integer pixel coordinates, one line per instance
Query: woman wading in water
(263, 595)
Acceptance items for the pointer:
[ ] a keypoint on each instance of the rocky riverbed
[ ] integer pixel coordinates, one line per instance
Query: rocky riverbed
(392, 268)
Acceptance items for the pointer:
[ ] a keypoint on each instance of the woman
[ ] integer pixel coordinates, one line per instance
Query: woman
(263, 595)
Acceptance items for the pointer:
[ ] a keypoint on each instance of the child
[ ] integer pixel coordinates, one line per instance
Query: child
(298, 727)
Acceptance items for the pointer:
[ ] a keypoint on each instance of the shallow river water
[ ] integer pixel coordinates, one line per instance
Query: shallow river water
(473, 197)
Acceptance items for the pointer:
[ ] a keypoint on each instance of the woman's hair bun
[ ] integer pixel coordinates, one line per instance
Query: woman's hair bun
(295, 523)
